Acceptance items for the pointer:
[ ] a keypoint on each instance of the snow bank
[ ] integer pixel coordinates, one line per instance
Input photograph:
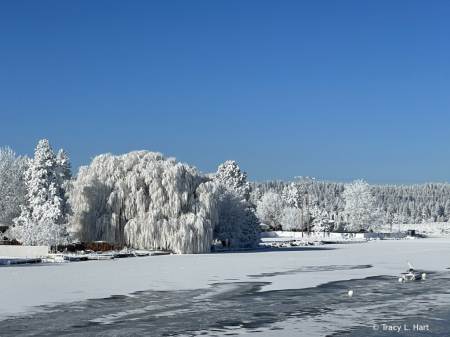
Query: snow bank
(23, 251)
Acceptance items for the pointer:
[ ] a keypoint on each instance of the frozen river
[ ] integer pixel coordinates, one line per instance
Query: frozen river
(277, 292)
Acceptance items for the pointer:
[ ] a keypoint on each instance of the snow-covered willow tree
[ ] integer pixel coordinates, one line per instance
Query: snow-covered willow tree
(42, 220)
(145, 201)
(12, 185)
(238, 225)
(359, 206)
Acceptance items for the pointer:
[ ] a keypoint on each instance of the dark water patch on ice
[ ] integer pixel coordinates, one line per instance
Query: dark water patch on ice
(228, 308)
(26, 263)
(13, 262)
(311, 269)
(278, 249)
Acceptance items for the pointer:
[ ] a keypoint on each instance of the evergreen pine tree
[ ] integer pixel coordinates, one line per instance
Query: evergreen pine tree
(65, 174)
(40, 221)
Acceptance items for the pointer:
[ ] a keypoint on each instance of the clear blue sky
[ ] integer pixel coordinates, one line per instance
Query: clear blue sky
(338, 90)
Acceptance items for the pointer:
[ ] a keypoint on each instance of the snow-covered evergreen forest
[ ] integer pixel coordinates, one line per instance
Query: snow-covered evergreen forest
(413, 204)
(147, 201)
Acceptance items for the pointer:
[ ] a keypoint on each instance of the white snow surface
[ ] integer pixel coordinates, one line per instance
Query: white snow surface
(25, 287)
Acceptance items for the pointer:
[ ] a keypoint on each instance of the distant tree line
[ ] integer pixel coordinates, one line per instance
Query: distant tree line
(403, 204)
(150, 202)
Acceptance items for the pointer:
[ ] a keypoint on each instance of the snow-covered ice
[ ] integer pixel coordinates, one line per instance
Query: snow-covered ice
(26, 287)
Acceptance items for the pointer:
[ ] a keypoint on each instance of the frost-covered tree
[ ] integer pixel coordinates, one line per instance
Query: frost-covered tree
(377, 220)
(231, 218)
(291, 219)
(447, 210)
(270, 209)
(65, 168)
(359, 205)
(255, 196)
(231, 176)
(320, 219)
(12, 185)
(145, 201)
(250, 234)
(400, 218)
(65, 174)
(426, 214)
(238, 225)
(41, 220)
(291, 195)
